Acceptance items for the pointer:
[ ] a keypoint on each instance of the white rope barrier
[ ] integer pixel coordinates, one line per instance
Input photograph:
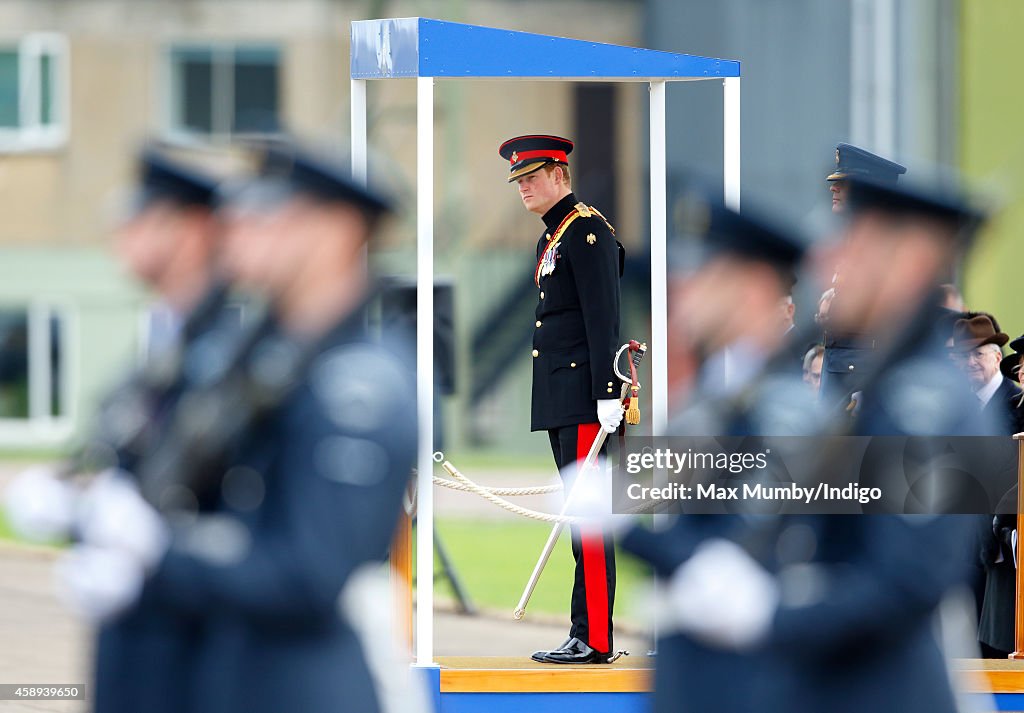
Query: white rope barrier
(490, 495)
(504, 492)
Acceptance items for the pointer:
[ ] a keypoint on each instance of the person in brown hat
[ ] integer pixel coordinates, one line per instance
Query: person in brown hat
(977, 350)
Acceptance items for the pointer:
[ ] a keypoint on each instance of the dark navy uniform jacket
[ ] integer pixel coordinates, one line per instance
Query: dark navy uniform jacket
(577, 328)
(691, 676)
(854, 630)
(142, 659)
(855, 627)
(845, 359)
(314, 495)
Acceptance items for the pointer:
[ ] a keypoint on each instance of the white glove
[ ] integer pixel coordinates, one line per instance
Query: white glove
(590, 497)
(98, 583)
(39, 505)
(113, 515)
(609, 413)
(723, 597)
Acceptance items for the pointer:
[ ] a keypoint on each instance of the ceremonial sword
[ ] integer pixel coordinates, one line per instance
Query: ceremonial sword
(629, 397)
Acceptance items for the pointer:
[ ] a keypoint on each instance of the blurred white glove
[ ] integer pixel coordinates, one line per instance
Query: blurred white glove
(39, 505)
(724, 598)
(113, 514)
(98, 583)
(609, 413)
(591, 497)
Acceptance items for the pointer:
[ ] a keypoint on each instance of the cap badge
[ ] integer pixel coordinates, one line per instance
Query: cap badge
(515, 156)
(837, 157)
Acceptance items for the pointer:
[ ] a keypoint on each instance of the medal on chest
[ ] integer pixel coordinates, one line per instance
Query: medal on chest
(549, 260)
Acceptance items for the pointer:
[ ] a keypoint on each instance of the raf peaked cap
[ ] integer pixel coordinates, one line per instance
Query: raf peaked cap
(855, 161)
(1010, 362)
(164, 180)
(705, 227)
(527, 154)
(318, 177)
(942, 200)
(972, 333)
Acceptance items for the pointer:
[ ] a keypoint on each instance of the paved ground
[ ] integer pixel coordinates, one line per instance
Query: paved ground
(41, 642)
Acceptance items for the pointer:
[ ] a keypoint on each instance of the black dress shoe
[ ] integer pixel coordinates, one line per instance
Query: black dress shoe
(572, 651)
(538, 656)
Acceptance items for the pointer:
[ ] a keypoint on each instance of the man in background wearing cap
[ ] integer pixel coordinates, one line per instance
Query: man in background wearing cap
(845, 354)
(269, 512)
(576, 335)
(726, 302)
(977, 350)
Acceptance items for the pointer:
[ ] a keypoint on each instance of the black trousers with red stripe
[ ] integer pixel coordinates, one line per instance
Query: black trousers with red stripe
(593, 591)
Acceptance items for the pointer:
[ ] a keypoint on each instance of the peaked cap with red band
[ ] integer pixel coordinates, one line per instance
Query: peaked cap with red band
(526, 154)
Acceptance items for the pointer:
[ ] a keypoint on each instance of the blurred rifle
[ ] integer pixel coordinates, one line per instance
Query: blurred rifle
(129, 419)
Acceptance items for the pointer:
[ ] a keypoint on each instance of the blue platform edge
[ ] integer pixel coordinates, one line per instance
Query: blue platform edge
(610, 702)
(598, 702)
(544, 702)
(1008, 701)
(421, 47)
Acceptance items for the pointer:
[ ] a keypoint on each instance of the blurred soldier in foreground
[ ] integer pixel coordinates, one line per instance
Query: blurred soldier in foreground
(845, 353)
(576, 335)
(169, 242)
(280, 477)
(730, 274)
(842, 614)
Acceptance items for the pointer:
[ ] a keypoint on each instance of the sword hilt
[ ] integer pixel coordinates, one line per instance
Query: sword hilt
(631, 388)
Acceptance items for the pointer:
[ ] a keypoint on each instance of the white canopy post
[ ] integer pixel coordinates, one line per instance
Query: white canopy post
(425, 370)
(731, 158)
(358, 138)
(659, 283)
(731, 163)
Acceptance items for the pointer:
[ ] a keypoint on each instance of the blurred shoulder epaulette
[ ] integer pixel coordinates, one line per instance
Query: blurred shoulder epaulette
(583, 210)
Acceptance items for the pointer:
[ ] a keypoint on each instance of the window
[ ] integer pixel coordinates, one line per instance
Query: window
(33, 92)
(34, 368)
(223, 91)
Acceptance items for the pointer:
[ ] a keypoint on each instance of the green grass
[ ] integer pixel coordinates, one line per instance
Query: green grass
(484, 460)
(495, 559)
(5, 529)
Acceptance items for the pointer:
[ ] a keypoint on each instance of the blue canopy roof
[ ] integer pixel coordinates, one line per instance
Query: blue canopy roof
(421, 47)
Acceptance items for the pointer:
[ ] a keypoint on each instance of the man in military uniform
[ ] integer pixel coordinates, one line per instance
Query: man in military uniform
(576, 335)
(843, 618)
(845, 354)
(295, 474)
